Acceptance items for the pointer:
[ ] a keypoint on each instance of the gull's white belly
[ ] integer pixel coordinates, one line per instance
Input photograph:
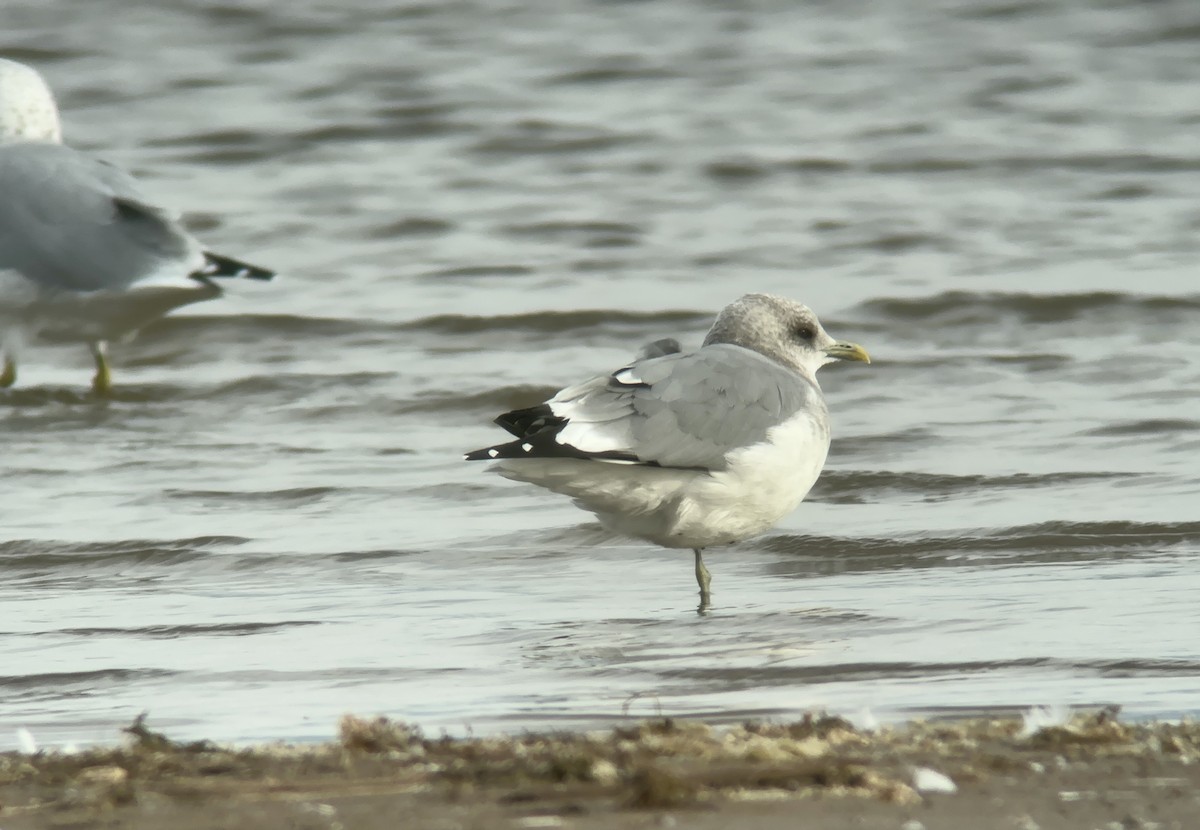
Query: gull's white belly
(92, 315)
(690, 508)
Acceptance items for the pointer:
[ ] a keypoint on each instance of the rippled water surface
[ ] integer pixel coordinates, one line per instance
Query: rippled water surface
(472, 203)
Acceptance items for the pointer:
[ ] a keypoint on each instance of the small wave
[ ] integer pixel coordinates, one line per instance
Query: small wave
(872, 446)
(227, 147)
(1140, 668)
(477, 271)
(1175, 32)
(292, 386)
(559, 322)
(230, 13)
(997, 166)
(293, 497)
(1125, 193)
(896, 242)
(1150, 426)
(860, 486)
(75, 684)
(243, 328)
(594, 233)
(43, 55)
(30, 397)
(965, 308)
(418, 120)
(340, 676)
(1066, 538)
(542, 138)
(1000, 11)
(41, 553)
(817, 165)
(411, 226)
(1032, 362)
(612, 71)
(174, 632)
(1015, 165)
(749, 677)
(372, 555)
(737, 170)
(745, 677)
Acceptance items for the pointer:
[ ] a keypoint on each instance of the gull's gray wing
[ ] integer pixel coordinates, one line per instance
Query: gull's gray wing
(68, 221)
(680, 410)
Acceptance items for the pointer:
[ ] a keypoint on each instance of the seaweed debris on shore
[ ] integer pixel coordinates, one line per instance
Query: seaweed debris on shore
(660, 765)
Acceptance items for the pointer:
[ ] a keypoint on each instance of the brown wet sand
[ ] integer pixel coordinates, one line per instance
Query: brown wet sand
(1094, 772)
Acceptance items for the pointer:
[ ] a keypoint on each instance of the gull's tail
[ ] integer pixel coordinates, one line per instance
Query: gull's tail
(222, 267)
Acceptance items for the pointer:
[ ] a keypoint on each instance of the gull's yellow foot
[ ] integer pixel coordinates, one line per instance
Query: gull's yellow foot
(9, 376)
(102, 382)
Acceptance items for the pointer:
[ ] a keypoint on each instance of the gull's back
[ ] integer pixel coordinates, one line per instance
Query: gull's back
(71, 222)
(687, 410)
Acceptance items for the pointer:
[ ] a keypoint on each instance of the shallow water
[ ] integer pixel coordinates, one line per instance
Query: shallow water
(473, 203)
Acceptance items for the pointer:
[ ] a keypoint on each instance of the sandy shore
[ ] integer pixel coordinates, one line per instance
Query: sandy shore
(1094, 773)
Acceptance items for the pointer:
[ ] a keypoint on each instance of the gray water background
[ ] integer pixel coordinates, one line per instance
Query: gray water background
(473, 203)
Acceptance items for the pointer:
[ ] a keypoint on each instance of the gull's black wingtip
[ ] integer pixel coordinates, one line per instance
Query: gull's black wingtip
(523, 422)
(223, 267)
(521, 449)
(544, 446)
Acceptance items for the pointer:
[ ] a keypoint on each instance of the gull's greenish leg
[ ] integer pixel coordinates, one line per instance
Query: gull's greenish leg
(9, 376)
(102, 382)
(703, 579)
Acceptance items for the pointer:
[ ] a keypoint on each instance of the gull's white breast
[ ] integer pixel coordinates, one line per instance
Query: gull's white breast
(760, 485)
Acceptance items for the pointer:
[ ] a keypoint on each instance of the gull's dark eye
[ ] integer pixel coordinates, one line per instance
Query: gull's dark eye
(805, 332)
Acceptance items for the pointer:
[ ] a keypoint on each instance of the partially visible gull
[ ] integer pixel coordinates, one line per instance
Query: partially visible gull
(689, 449)
(84, 255)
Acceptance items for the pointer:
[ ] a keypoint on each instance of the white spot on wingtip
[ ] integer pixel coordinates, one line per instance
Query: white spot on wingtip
(527, 447)
(493, 453)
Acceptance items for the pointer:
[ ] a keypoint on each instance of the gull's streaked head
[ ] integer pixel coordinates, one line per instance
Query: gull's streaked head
(783, 330)
(27, 108)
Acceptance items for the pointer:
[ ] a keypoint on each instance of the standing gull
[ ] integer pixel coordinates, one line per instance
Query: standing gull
(84, 256)
(689, 449)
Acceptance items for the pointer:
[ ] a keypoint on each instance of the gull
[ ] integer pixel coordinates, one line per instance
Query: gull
(689, 449)
(84, 255)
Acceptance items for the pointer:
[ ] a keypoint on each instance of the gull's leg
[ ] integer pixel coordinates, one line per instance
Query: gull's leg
(102, 382)
(703, 579)
(11, 342)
